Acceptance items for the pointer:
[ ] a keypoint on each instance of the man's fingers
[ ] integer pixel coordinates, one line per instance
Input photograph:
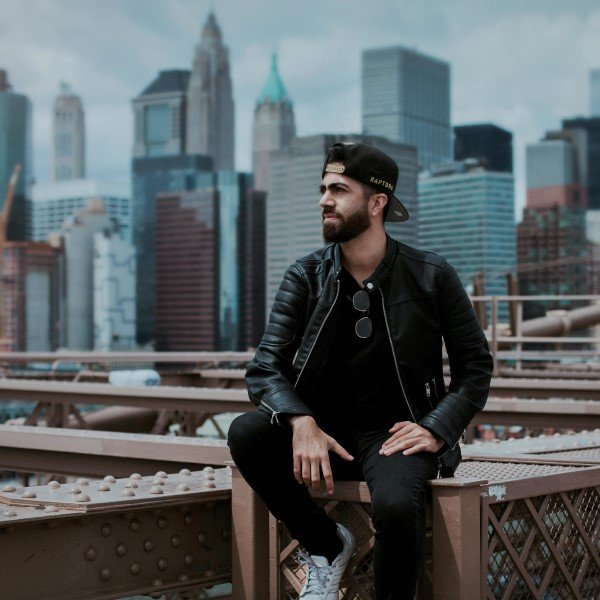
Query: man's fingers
(401, 444)
(341, 451)
(399, 425)
(297, 469)
(327, 476)
(416, 448)
(315, 474)
(306, 471)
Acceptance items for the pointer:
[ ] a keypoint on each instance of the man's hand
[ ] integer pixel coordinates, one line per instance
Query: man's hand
(410, 438)
(310, 447)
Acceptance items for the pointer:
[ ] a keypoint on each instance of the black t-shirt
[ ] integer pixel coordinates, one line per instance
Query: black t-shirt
(358, 386)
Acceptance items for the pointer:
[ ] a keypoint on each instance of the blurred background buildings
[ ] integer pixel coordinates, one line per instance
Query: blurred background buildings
(190, 254)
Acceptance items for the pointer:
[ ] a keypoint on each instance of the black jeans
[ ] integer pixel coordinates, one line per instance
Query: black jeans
(263, 453)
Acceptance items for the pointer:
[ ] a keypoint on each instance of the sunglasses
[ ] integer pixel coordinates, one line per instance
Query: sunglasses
(364, 326)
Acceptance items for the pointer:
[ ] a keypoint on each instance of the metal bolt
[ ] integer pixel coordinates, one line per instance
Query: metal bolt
(156, 489)
(135, 476)
(161, 474)
(9, 488)
(104, 487)
(28, 494)
(83, 481)
(148, 545)
(182, 487)
(158, 481)
(110, 479)
(75, 490)
(209, 573)
(135, 525)
(188, 560)
(162, 522)
(10, 513)
(132, 484)
(127, 493)
(105, 574)
(175, 541)
(210, 484)
(162, 564)
(185, 472)
(53, 484)
(90, 554)
(188, 519)
(208, 470)
(183, 577)
(157, 582)
(51, 509)
(135, 569)
(121, 550)
(209, 476)
(82, 498)
(201, 537)
(106, 530)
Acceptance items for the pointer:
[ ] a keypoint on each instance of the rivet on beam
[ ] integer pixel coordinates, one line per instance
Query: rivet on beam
(110, 479)
(185, 472)
(135, 476)
(9, 488)
(106, 530)
(82, 498)
(156, 489)
(121, 550)
(105, 574)
(53, 484)
(161, 475)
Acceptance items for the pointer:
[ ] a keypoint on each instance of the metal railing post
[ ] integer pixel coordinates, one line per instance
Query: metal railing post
(250, 541)
(494, 332)
(456, 532)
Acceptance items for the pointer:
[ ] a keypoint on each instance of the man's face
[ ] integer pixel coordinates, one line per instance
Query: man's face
(344, 209)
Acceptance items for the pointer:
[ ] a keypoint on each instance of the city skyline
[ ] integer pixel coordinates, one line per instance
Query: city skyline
(526, 88)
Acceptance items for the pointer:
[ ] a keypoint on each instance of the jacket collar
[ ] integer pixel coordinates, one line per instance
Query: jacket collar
(382, 270)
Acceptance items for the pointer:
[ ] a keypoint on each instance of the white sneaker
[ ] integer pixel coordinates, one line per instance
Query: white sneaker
(323, 580)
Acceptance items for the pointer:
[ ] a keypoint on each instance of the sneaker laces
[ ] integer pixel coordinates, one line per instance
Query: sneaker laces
(317, 577)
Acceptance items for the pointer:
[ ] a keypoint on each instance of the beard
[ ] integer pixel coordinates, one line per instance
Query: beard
(346, 227)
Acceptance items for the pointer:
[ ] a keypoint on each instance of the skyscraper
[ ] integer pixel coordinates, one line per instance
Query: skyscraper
(489, 144)
(595, 93)
(551, 240)
(68, 136)
(274, 125)
(294, 220)
(77, 313)
(159, 165)
(467, 214)
(592, 128)
(53, 202)
(30, 287)
(201, 264)
(406, 98)
(15, 148)
(210, 115)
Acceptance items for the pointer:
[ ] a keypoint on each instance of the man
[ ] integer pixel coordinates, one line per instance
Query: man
(349, 384)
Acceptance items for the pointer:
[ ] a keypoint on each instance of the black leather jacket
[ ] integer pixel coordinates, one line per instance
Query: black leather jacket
(424, 301)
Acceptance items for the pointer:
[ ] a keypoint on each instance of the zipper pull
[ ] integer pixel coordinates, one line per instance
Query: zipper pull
(427, 390)
(275, 418)
(439, 473)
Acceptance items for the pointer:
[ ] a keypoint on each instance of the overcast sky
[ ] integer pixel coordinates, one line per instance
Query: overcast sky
(522, 64)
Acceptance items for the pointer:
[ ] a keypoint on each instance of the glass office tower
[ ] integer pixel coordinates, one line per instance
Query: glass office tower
(467, 214)
(406, 98)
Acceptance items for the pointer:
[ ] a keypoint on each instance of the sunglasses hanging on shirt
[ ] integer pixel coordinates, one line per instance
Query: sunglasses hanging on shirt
(362, 303)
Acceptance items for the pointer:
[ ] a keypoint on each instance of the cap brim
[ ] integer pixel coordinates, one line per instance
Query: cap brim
(396, 213)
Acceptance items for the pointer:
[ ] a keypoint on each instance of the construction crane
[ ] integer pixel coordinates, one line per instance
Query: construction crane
(4, 216)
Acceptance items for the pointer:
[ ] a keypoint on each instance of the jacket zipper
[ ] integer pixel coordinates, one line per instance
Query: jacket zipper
(337, 291)
(428, 390)
(428, 394)
(394, 355)
(274, 412)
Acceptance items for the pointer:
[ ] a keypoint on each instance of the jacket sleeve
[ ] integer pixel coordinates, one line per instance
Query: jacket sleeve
(470, 361)
(269, 377)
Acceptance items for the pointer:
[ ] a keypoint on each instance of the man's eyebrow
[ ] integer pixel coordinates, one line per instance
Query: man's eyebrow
(333, 186)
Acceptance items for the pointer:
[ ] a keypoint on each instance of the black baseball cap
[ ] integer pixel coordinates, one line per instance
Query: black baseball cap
(370, 166)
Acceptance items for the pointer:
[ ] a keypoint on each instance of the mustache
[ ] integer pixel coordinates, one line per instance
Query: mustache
(330, 211)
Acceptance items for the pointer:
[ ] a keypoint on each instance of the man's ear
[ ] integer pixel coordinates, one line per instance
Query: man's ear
(379, 202)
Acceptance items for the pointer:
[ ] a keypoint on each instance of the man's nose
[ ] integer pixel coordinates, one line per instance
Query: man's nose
(326, 199)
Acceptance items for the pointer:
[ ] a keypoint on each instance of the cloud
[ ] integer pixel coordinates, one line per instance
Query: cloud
(521, 65)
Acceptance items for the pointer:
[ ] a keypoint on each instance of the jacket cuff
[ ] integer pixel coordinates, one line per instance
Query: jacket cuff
(436, 427)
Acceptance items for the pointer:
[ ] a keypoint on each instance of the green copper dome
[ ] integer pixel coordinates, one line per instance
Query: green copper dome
(273, 90)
